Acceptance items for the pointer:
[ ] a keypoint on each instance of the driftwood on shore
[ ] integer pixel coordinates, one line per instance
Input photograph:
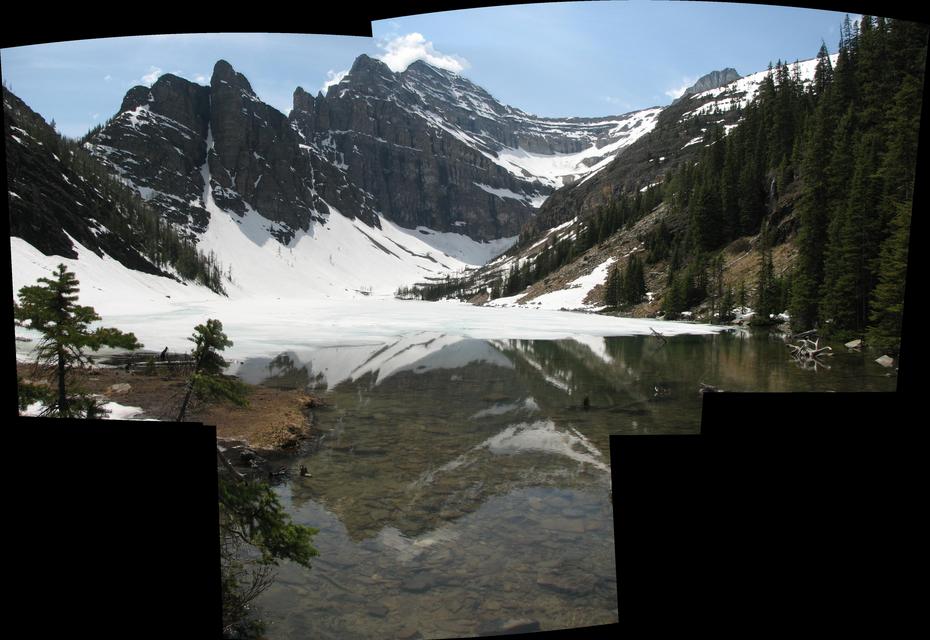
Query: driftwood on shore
(808, 352)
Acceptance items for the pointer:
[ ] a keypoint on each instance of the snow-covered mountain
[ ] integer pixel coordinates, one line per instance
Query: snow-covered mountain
(423, 147)
(387, 180)
(552, 151)
(677, 138)
(740, 92)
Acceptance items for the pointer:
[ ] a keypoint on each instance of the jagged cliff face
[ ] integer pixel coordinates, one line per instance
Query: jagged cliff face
(424, 147)
(156, 143)
(436, 150)
(170, 141)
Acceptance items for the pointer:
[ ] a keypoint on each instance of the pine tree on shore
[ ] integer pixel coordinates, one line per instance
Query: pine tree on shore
(207, 381)
(51, 308)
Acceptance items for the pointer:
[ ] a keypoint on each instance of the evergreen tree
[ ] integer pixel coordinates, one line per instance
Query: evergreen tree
(725, 314)
(51, 308)
(251, 517)
(716, 289)
(823, 72)
(207, 381)
(813, 219)
(612, 287)
(766, 293)
(633, 283)
(729, 192)
(888, 297)
(852, 249)
(675, 300)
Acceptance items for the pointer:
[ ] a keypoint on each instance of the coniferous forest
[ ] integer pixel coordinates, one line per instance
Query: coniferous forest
(848, 145)
(829, 165)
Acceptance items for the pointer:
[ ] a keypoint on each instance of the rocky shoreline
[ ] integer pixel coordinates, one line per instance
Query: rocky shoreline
(276, 425)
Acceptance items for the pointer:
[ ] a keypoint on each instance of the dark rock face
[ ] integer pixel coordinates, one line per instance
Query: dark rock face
(417, 174)
(254, 157)
(156, 144)
(167, 139)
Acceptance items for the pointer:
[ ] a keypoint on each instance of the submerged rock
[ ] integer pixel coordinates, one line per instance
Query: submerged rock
(419, 583)
(506, 627)
(569, 584)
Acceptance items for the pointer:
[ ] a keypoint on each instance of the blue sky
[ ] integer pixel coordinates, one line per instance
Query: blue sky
(560, 59)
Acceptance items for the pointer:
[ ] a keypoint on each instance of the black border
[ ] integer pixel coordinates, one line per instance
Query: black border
(66, 524)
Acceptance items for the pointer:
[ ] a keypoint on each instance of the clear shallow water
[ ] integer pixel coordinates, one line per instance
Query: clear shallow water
(462, 485)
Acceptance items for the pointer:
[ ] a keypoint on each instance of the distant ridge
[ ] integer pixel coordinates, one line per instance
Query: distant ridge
(712, 80)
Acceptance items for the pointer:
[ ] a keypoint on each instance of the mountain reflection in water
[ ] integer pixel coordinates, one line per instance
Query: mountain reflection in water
(462, 483)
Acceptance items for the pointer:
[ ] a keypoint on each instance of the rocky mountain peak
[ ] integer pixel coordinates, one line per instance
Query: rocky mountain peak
(136, 97)
(424, 148)
(365, 63)
(422, 66)
(367, 73)
(223, 73)
(303, 101)
(713, 80)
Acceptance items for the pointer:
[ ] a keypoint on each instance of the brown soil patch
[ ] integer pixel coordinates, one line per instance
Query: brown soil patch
(274, 418)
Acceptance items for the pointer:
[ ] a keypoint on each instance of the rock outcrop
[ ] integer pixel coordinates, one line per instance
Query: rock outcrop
(713, 80)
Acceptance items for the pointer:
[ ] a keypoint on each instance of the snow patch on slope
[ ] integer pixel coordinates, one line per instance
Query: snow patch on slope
(570, 298)
(739, 93)
(459, 246)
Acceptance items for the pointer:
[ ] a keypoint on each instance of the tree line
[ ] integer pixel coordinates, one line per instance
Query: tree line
(831, 160)
(845, 146)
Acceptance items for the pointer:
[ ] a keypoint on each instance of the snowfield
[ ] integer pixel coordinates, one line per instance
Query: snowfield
(276, 307)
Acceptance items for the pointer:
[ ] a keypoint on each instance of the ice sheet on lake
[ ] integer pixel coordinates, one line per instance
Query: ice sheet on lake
(162, 312)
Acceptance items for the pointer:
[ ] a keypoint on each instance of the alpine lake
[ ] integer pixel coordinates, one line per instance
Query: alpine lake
(461, 487)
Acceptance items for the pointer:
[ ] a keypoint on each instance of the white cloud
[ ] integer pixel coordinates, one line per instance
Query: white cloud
(619, 102)
(676, 93)
(201, 79)
(150, 78)
(401, 51)
(333, 77)
(108, 77)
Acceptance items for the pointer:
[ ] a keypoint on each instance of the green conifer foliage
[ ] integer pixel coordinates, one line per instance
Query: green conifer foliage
(51, 308)
(207, 381)
(887, 308)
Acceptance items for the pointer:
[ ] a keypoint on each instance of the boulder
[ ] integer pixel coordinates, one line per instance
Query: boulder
(885, 361)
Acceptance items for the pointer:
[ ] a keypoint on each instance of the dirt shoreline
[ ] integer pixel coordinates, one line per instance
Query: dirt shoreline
(275, 420)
